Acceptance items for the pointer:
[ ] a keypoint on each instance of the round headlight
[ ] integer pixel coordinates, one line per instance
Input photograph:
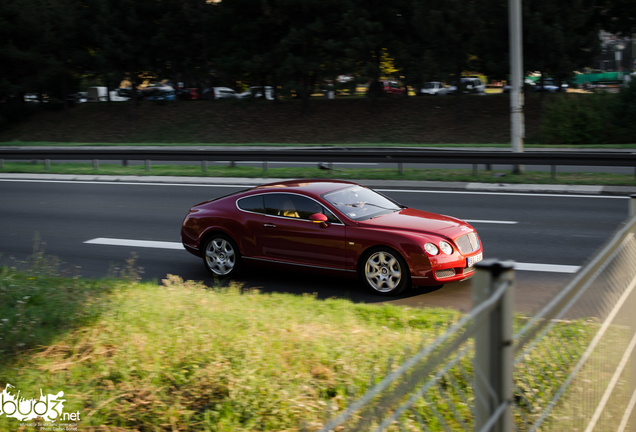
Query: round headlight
(445, 247)
(431, 249)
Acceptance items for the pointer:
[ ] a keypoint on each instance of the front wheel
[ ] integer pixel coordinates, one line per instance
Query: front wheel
(385, 272)
(221, 256)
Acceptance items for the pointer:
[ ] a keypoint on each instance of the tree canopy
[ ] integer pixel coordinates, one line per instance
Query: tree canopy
(56, 46)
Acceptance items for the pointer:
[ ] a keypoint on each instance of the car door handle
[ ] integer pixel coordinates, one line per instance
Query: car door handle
(269, 225)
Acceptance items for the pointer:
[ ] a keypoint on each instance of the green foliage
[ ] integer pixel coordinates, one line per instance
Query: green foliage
(576, 120)
(600, 118)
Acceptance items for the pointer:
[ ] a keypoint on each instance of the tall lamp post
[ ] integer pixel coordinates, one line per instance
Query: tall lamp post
(516, 74)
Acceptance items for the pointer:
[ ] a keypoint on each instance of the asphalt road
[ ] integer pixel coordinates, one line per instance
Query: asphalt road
(547, 235)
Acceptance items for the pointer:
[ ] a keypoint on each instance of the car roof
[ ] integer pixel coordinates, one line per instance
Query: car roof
(314, 187)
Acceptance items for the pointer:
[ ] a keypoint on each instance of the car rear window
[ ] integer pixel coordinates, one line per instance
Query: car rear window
(252, 204)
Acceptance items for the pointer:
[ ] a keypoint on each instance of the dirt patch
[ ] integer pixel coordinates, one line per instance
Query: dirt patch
(426, 120)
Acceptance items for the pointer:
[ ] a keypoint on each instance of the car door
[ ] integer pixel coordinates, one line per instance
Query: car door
(288, 235)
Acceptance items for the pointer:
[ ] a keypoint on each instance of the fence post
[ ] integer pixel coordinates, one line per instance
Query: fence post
(493, 348)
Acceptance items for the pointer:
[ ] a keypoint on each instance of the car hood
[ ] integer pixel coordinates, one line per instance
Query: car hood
(421, 222)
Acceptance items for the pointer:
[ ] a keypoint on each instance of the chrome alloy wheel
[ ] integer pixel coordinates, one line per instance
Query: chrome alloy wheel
(383, 272)
(220, 256)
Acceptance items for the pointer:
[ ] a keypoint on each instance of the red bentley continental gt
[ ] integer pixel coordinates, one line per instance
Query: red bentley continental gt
(331, 227)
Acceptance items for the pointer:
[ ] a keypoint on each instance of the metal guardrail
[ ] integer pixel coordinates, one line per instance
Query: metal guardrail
(571, 367)
(340, 154)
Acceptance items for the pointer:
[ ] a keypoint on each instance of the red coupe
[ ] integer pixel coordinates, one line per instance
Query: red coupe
(334, 227)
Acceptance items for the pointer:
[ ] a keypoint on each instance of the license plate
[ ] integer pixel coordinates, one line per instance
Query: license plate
(471, 261)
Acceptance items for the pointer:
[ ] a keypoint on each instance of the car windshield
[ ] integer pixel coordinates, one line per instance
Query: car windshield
(429, 85)
(360, 203)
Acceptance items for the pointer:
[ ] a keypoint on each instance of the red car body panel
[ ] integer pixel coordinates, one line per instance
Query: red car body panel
(188, 93)
(332, 247)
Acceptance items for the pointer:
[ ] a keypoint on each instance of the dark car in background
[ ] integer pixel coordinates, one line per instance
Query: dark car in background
(188, 94)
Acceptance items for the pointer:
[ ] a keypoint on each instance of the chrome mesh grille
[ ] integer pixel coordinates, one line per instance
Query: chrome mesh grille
(439, 274)
(468, 243)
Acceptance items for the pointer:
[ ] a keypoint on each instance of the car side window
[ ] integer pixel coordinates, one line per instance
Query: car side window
(295, 206)
(252, 204)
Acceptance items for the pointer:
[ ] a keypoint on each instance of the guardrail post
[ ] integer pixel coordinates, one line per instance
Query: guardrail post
(475, 169)
(148, 164)
(400, 168)
(553, 171)
(204, 166)
(1, 163)
(493, 348)
(124, 162)
(632, 206)
(47, 164)
(95, 164)
(265, 167)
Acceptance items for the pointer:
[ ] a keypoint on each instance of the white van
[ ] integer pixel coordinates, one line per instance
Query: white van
(96, 94)
(99, 94)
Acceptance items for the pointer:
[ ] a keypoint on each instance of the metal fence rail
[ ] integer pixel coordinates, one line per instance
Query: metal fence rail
(575, 366)
(571, 367)
(326, 154)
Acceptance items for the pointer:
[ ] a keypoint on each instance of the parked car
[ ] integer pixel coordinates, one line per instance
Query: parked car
(188, 94)
(126, 93)
(257, 93)
(528, 85)
(163, 95)
(550, 86)
(218, 93)
(392, 88)
(433, 88)
(469, 85)
(331, 227)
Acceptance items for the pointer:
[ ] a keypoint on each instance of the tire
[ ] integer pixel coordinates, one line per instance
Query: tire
(384, 271)
(221, 256)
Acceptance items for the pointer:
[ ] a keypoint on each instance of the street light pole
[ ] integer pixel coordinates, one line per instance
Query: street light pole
(516, 75)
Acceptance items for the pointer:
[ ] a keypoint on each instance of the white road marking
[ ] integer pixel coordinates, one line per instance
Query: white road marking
(464, 192)
(136, 243)
(247, 185)
(491, 221)
(550, 268)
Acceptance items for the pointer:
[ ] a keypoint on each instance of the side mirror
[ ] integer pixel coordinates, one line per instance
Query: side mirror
(319, 218)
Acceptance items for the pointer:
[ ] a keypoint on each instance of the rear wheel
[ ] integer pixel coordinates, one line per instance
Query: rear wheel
(385, 272)
(221, 256)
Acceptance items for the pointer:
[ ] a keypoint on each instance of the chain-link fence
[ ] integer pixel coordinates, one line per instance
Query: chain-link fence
(571, 367)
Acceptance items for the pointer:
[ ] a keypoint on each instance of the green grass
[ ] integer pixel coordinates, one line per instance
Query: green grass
(185, 356)
(446, 175)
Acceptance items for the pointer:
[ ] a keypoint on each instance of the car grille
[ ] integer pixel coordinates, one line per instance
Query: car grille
(468, 243)
(468, 270)
(440, 274)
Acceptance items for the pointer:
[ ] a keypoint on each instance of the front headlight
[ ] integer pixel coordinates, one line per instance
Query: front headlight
(446, 247)
(431, 249)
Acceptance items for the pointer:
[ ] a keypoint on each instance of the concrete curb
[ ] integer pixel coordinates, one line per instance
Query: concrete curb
(377, 184)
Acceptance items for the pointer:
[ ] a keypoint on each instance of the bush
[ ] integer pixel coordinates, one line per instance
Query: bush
(599, 118)
(577, 119)
(625, 113)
